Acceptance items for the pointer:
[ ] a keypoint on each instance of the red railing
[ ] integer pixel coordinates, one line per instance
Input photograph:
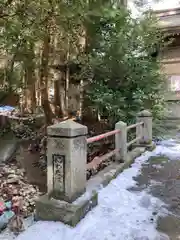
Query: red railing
(99, 137)
(98, 160)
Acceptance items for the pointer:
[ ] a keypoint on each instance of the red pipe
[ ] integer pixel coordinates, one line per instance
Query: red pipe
(99, 137)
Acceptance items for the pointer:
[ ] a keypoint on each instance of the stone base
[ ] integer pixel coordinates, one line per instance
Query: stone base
(151, 146)
(62, 197)
(69, 213)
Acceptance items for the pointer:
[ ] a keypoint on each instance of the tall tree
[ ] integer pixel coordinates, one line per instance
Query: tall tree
(127, 77)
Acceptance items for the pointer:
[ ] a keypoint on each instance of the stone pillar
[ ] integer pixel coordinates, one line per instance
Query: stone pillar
(139, 131)
(121, 141)
(67, 159)
(146, 130)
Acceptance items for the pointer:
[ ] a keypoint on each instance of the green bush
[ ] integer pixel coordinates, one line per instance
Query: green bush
(127, 76)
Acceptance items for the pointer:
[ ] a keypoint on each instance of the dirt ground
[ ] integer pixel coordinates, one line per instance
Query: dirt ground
(29, 161)
(26, 160)
(162, 178)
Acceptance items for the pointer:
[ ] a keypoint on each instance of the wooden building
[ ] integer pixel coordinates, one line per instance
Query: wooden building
(169, 22)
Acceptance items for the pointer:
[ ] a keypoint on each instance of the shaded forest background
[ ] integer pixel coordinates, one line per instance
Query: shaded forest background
(84, 58)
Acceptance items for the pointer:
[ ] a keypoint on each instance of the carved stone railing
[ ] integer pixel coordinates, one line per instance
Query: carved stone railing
(67, 199)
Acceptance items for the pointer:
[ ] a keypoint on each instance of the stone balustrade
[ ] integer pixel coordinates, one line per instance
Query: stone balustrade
(68, 198)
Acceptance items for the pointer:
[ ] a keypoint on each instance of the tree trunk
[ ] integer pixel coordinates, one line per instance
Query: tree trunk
(30, 82)
(44, 80)
(59, 100)
(30, 98)
(9, 72)
(58, 105)
(67, 81)
(81, 98)
(10, 67)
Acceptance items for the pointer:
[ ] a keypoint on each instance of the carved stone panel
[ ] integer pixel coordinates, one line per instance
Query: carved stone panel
(59, 172)
(56, 143)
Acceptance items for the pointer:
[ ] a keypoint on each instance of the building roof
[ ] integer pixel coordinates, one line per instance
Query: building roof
(169, 19)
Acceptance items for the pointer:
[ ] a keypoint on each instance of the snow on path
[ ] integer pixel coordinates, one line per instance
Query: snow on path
(120, 214)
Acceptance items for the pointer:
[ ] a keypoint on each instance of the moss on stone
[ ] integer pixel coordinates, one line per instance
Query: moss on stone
(69, 213)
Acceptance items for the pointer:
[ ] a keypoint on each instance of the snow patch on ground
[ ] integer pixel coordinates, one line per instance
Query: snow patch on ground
(120, 214)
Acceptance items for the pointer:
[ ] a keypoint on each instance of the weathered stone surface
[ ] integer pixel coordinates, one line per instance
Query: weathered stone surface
(7, 150)
(67, 128)
(67, 157)
(144, 113)
(149, 147)
(145, 132)
(121, 141)
(59, 195)
(49, 209)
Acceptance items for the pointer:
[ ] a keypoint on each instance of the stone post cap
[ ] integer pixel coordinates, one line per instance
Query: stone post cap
(68, 128)
(121, 123)
(144, 113)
